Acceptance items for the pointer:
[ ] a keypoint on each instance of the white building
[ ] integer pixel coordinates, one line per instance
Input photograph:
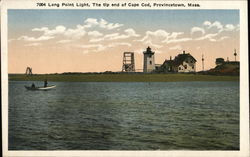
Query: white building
(184, 62)
(149, 61)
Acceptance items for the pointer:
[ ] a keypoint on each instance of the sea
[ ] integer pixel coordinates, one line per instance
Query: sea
(124, 116)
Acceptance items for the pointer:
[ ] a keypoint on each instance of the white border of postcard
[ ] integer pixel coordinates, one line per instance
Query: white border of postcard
(244, 91)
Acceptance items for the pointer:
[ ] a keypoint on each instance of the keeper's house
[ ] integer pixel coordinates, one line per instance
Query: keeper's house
(184, 62)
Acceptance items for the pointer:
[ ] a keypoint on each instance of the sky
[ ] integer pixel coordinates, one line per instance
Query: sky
(56, 41)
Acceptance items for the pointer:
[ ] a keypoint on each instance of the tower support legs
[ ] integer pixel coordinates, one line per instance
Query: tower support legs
(128, 62)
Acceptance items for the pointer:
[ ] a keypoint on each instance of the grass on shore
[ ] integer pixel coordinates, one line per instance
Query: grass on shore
(121, 77)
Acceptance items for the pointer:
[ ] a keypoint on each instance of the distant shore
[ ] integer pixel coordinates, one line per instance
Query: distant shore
(120, 77)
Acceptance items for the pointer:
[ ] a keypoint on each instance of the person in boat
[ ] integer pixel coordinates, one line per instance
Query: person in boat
(33, 85)
(45, 83)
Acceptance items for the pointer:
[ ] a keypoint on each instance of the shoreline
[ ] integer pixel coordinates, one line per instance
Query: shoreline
(121, 77)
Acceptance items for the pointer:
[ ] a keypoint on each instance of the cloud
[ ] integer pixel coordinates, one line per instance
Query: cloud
(114, 36)
(89, 22)
(197, 29)
(92, 22)
(94, 34)
(43, 29)
(174, 35)
(210, 37)
(10, 40)
(131, 32)
(33, 44)
(207, 23)
(215, 24)
(220, 27)
(128, 33)
(109, 26)
(98, 34)
(160, 34)
(96, 40)
(63, 41)
(157, 36)
(76, 33)
(179, 40)
(58, 30)
(223, 38)
(41, 38)
(237, 27)
(229, 27)
(173, 38)
(215, 35)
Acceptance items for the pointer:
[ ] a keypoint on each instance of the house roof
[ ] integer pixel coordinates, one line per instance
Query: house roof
(178, 60)
(181, 57)
(170, 62)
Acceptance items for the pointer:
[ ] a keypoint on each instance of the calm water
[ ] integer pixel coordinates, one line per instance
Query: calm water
(125, 116)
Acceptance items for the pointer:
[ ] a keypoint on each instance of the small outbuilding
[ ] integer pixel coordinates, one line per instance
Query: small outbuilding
(219, 61)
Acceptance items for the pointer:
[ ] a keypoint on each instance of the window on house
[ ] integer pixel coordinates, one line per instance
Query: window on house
(192, 67)
(150, 62)
(185, 66)
(179, 68)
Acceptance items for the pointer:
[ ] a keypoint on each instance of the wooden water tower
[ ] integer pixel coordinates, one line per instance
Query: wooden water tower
(128, 62)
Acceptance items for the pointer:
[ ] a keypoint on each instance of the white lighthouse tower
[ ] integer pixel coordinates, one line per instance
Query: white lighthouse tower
(149, 61)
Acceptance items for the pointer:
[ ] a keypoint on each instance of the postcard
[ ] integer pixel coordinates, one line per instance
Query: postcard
(124, 78)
